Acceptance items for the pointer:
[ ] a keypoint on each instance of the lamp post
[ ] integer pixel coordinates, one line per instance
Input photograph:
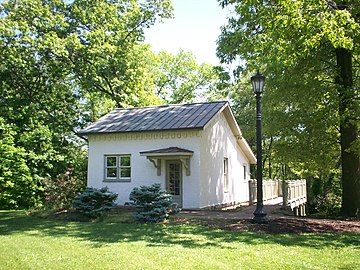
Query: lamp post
(258, 81)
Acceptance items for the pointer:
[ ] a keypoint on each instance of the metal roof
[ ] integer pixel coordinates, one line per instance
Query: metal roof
(166, 117)
(167, 151)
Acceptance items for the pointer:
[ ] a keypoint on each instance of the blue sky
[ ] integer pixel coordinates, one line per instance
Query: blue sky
(195, 28)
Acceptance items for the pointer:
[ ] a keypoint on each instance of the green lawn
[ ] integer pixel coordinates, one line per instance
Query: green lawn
(36, 243)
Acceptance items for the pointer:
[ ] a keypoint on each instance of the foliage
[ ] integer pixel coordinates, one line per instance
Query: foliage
(296, 44)
(104, 48)
(61, 192)
(36, 95)
(328, 205)
(17, 187)
(95, 202)
(65, 63)
(60, 60)
(154, 204)
(180, 78)
(324, 195)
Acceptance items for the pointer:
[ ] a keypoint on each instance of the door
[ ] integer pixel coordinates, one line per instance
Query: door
(174, 180)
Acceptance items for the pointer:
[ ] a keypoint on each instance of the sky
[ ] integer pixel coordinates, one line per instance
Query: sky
(195, 27)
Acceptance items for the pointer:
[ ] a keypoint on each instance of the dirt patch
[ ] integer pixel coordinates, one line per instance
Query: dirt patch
(282, 225)
(280, 220)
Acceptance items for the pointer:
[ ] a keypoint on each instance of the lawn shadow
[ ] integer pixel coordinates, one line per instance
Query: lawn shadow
(186, 235)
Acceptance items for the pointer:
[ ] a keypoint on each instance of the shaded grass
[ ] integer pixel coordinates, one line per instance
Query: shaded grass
(28, 242)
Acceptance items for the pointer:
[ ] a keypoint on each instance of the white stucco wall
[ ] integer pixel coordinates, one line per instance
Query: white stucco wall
(143, 171)
(218, 142)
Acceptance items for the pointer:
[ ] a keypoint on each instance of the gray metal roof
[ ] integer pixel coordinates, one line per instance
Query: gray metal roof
(166, 117)
(167, 151)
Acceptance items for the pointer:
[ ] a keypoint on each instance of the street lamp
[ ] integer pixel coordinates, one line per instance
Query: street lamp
(258, 81)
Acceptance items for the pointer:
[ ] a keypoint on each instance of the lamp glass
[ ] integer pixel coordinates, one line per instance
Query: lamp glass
(258, 82)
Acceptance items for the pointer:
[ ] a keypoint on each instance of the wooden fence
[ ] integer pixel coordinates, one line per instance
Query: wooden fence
(295, 196)
(292, 191)
(271, 190)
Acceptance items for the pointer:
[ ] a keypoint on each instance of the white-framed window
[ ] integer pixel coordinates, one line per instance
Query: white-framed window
(226, 174)
(118, 168)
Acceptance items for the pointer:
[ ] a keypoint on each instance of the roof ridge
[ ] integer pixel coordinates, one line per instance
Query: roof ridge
(170, 105)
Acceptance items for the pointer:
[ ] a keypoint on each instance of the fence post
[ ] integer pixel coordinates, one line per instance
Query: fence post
(296, 211)
(301, 210)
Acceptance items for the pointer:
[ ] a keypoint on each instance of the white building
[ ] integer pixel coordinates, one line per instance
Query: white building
(195, 151)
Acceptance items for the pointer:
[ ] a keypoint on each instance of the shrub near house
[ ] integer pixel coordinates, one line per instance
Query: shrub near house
(154, 204)
(95, 202)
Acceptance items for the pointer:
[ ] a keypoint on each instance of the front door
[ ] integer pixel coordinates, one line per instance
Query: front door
(174, 180)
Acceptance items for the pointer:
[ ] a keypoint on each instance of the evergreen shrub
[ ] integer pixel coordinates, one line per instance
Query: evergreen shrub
(95, 202)
(153, 204)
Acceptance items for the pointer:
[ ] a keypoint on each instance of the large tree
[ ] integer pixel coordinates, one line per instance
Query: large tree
(105, 47)
(59, 59)
(309, 51)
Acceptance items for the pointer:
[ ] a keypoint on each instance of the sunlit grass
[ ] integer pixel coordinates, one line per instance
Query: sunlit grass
(35, 243)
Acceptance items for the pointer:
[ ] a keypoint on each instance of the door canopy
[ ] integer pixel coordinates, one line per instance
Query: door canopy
(155, 157)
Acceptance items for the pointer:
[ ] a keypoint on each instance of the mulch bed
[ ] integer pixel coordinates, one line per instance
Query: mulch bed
(282, 225)
(276, 225)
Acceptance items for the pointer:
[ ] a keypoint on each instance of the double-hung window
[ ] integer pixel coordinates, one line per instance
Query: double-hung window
(118, 168)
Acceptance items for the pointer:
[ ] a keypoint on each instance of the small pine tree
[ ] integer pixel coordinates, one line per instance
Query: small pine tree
(95, 202)
(154, 204)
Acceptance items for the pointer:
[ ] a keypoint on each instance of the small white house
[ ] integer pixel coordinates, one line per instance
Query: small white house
(195, 151)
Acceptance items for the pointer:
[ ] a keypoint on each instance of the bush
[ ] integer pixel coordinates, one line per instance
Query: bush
(154, 204)
(95, 202)
(61, 191)
(328, 205)
(324, 195)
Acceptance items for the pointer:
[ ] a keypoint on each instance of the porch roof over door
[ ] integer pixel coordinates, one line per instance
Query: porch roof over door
(155, 157)
(170, 151)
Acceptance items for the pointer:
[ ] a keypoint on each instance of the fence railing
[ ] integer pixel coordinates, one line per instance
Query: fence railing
(292, 191)
(271, 190)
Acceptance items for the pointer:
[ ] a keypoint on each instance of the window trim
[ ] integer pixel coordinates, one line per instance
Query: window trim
(118, 167)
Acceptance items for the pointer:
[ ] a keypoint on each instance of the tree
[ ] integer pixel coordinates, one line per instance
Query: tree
(17, 188)
(36, 94)
(180, 78)
(58, 61)
(308, 50)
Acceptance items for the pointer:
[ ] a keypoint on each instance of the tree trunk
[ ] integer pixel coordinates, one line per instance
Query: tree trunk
(350, 158)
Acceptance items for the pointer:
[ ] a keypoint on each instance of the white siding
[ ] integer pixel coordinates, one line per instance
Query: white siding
(143, 171)
(218, 142)
(204, 187)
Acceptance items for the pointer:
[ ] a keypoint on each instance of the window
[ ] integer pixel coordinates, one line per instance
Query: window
(118, 168)
(226, 174)
(244, 171)
(111, 167)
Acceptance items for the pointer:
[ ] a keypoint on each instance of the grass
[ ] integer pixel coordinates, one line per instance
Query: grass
(29, 242)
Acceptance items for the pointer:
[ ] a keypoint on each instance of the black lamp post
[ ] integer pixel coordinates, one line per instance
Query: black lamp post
(258, 81)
